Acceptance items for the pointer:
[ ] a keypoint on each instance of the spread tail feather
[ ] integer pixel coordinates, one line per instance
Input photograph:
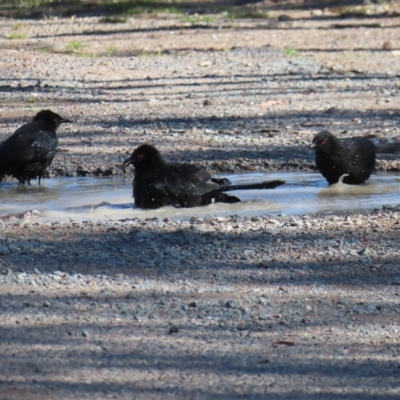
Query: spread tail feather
(388, 148)
(253, 186)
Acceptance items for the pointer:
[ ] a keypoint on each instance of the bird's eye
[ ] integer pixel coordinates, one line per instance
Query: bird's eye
(141, 156)
(323, 143)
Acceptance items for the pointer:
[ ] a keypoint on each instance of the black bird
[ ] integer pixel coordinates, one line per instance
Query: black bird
(352, 156)
(28, 153)
(157, 183)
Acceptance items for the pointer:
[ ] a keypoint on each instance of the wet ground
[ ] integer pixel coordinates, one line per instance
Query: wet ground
(87, 198)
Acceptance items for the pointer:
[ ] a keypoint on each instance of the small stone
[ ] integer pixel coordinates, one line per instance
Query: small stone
(85, 333)
(388, 45)
(192, 304)
(207, 103)
(4, 251)
(46, 304)
(232, 304)
(309, 308)
(173, 329)
(284, 18)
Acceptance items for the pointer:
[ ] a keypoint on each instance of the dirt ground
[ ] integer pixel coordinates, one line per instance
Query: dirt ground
(280, 307)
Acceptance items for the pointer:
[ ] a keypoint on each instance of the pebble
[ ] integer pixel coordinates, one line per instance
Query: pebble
(173, 330)
(85, 333)
(4, 251)
(232, 304)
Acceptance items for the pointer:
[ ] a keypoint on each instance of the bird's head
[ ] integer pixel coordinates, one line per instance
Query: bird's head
(144, 155)
(50, 117)
(323, 141)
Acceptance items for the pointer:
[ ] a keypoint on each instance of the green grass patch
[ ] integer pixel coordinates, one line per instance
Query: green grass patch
(289, 51)
(75, 46)
(33, 99)
(16, 35)
(149, 54)
(111, 50)
(353, 12)
(46, 49)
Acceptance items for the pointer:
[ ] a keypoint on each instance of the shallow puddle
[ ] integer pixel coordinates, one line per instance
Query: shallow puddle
(80, 199)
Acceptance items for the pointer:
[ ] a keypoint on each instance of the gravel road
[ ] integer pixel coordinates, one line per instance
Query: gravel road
(279, 307)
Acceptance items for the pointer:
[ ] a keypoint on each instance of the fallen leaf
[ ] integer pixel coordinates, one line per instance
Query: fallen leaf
(283, 342)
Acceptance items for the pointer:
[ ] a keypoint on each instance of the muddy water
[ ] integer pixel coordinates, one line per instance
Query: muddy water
(80, 199)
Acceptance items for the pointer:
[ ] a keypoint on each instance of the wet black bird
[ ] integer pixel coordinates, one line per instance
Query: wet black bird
(28, 153)
(353, 157)
(157, 183)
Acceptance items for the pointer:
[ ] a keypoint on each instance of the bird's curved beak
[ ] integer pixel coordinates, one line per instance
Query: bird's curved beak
(65, 120)
(127, 162)
(312, 145)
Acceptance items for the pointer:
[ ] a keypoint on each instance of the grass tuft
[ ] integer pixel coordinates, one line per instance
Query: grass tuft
(75, 46)
(289, 51)
(16, 35)
(111, 50)
(353, 12)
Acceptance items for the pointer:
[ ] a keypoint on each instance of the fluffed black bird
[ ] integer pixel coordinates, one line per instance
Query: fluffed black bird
(157, 183)
(354, 157)
(28, 153)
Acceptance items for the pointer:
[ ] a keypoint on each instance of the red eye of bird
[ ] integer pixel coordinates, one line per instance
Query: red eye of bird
(141, 156)
(323, 143)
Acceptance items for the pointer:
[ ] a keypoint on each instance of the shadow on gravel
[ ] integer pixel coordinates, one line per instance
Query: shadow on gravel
(190, 252)
(128, 351)
(223, 26)
(102, 327)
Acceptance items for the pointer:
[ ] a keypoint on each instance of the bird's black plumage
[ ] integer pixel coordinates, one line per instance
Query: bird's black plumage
(157, 183)
(28, 153)
(353, 157)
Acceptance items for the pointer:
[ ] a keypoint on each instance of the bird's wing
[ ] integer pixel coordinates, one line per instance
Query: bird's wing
(184, 179)
(359, 150)
(27, 146)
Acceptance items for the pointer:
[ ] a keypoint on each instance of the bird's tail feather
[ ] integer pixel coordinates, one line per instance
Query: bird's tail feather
(253, 186)
(388, 148)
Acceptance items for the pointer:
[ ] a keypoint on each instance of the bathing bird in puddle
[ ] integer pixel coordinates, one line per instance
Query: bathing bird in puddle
(353, 157)
(158, 183)
(28, 153)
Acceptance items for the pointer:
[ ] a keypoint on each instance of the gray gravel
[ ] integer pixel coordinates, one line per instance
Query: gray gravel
(302, 308)
(215, 307)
